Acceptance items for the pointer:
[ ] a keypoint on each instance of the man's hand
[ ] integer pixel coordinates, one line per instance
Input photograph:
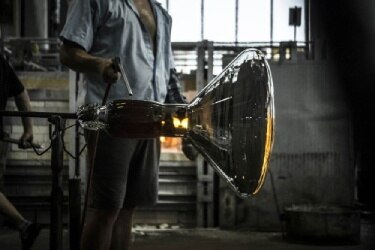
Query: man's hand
(188, 149)
(107, 71)
(76, 58)
(25, 140)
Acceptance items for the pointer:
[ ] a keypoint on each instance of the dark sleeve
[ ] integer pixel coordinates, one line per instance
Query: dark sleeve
(15, 86)
(174, 89)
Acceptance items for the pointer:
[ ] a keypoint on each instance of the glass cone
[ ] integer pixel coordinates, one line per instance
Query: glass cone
(230, 121)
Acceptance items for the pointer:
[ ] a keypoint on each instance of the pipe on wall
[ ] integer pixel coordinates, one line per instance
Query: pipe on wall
(36, 18)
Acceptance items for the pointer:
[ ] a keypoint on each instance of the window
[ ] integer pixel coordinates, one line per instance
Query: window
(186, 15)
(282, 30)
(219, 20)
(254, 17)
(254, 21)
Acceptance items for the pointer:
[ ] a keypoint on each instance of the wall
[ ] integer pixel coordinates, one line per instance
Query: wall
(312, 160)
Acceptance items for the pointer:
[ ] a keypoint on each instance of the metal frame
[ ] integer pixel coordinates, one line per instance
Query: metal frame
(57, 120)
(205, 174)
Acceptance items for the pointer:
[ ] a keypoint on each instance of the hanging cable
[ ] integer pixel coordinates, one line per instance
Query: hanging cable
(66, 150)
(276, 200)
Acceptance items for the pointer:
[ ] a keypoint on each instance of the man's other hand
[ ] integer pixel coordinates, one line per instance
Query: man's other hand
(188, 149)
(108, 72)
(25, 140)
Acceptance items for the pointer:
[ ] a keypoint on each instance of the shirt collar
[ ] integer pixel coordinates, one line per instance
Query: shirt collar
(131, 3)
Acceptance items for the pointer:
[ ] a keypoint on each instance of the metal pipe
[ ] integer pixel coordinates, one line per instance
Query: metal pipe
(271, 23)
(236, 22)
(307, 27)
(202, 20)
(38, 114)
(36, 18)
(57, 196)
(74, 213)
(120, 68)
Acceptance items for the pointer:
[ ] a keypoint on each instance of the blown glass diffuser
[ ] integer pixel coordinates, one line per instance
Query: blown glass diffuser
(230, 121)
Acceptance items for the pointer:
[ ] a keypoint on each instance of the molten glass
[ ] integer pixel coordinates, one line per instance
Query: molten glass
(230, 121)
(135, 118)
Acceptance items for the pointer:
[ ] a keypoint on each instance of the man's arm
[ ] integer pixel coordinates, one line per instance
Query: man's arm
(23, 104)
(174, 94)
(77, 59)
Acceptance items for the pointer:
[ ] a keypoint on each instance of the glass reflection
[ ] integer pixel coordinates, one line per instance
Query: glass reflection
(230, 121)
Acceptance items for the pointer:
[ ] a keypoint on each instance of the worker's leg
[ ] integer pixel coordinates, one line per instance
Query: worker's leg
(121, 235)
(142, 189)
(28, 230)
(7, 209)
(97, 232)
(108, 188)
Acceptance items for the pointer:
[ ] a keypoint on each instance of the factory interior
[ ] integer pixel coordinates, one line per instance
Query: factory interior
(318, 189)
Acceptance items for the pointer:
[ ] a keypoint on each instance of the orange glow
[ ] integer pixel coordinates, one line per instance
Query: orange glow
(184, 123)
(267, 153)
(177, 123)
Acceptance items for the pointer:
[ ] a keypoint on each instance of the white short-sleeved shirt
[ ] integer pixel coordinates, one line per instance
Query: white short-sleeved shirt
(113, 28)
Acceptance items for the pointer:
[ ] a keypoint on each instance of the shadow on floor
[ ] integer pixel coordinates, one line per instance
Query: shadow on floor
(194, 239)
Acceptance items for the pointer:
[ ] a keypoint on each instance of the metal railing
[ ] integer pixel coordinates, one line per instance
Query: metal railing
(33, 54)
(42, 54)
(186, 56)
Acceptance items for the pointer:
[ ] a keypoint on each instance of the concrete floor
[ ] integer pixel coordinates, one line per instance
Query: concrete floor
(197, 239)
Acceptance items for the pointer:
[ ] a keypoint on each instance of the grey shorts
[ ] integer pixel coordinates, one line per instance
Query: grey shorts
(125, 172)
